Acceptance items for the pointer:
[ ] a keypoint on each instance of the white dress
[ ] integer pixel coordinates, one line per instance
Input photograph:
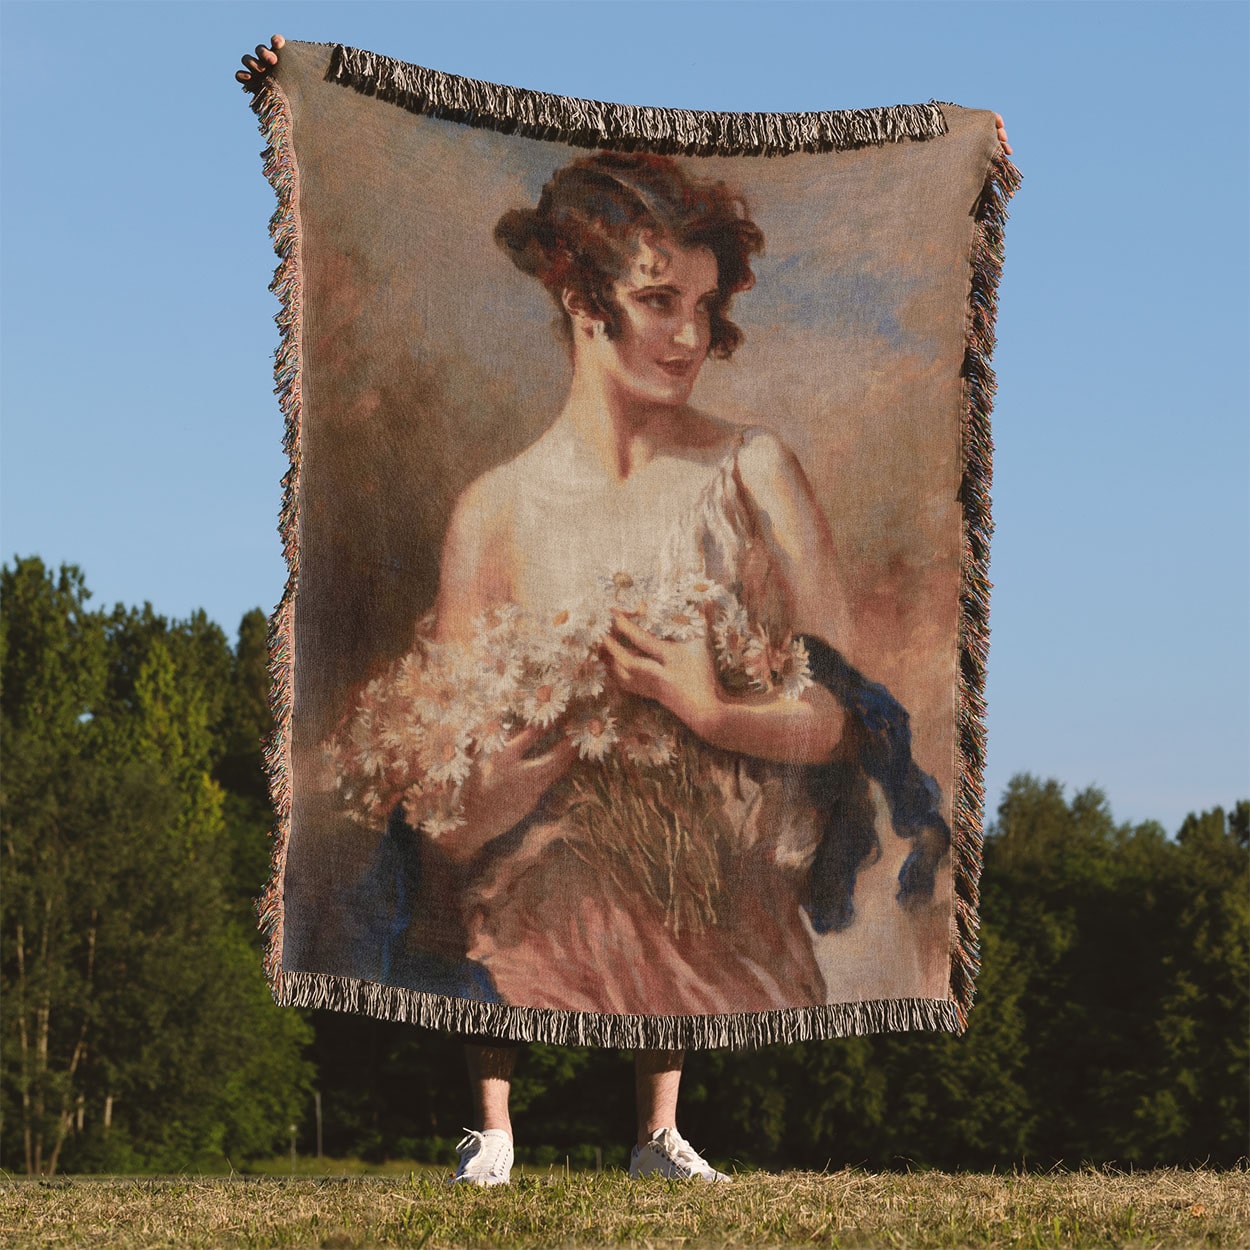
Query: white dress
(665, 890)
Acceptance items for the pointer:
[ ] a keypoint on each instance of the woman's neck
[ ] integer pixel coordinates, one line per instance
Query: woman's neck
(616, 433)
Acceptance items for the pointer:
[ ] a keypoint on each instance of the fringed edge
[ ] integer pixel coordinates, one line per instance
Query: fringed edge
(737, 1031)
(990, 216)
(274, 115)
(594, 124)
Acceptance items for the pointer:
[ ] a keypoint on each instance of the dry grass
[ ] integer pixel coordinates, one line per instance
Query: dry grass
(842, 1209)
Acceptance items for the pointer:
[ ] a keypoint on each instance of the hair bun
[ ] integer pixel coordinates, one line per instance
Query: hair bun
(520, 233)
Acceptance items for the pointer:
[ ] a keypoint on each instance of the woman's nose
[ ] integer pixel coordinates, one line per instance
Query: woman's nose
(687, 334)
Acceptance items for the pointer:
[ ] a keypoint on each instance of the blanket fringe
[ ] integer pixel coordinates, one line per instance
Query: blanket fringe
(274, 115)
(625, 127)
(990, 216)
(584, 1028)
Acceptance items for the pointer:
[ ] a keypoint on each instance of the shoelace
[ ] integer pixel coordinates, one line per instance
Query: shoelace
(683, 1153)
(491, 1160)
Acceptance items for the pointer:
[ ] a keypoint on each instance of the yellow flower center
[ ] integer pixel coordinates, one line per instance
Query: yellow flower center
(543, 694)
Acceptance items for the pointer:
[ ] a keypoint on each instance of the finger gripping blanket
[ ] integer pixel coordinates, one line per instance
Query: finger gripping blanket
(628, 676)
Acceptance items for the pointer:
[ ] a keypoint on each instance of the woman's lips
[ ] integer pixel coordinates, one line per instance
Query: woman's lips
(678, 368)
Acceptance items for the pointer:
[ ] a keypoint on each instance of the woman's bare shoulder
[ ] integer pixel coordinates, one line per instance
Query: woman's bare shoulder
(474, 572)
(481, 515)
(767, 452)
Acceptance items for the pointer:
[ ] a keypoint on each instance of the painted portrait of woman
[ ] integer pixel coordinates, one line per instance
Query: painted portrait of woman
(630, 760)
(625, 679)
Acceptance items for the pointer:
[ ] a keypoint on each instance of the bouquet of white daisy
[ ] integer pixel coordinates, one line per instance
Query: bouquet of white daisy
(418, 727)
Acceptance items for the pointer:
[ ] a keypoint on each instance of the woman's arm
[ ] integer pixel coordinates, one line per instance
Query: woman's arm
(504, 787)
(472, 574)
(799, 541)
(682, 677)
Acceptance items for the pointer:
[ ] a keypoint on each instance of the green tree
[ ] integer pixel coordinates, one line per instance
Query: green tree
(53, 669)
(141, 1032)
(245, 724)
(1134, 950)
(1198, 1107)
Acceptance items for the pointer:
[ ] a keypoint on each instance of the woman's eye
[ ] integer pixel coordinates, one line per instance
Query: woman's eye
(657, 300)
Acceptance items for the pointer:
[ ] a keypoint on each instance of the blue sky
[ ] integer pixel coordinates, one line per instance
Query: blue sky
(141, 439)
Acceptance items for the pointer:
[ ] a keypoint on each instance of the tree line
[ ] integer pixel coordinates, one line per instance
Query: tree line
(137, 1032)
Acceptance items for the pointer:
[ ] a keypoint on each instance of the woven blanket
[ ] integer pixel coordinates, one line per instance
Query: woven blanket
(628, 677)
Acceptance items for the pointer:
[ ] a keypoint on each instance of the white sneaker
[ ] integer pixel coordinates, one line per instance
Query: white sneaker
(668, 1153)
(485, 1158)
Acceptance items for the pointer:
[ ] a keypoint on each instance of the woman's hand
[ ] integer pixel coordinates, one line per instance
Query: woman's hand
(504, 788)
(260, 64)
(680, 676)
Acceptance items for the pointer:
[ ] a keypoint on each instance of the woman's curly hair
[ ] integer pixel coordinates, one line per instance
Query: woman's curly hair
(586, 228)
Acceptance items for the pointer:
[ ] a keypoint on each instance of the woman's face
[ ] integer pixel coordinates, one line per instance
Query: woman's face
(664, 323)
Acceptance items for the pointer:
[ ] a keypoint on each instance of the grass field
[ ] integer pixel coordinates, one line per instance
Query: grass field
(840, 1209)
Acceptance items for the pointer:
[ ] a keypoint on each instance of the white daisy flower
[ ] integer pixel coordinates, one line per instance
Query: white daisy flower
(594, 626)
(563, 623)
(410, 677)
(795, 673)
(419, 803)
(375, 807)
(492, 735)
(626, 590)
(700, 589)
(440, 699)
(444, 753)
(544, 699)
(443, 820)
(374, 694)
(731, 629)
(401, 732)
(397, 770)
(647, 744)
(497, 671)
(367, 755)
(575, 631)
(507, 615)
(679, 620)
(756, 659)
(589, 678)
(550, 661)
(593, 734)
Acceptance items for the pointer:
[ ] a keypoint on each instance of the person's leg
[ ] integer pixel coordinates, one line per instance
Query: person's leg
(490, 1080)
(486, 1152)
(661, 1149)
(657, 1078)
